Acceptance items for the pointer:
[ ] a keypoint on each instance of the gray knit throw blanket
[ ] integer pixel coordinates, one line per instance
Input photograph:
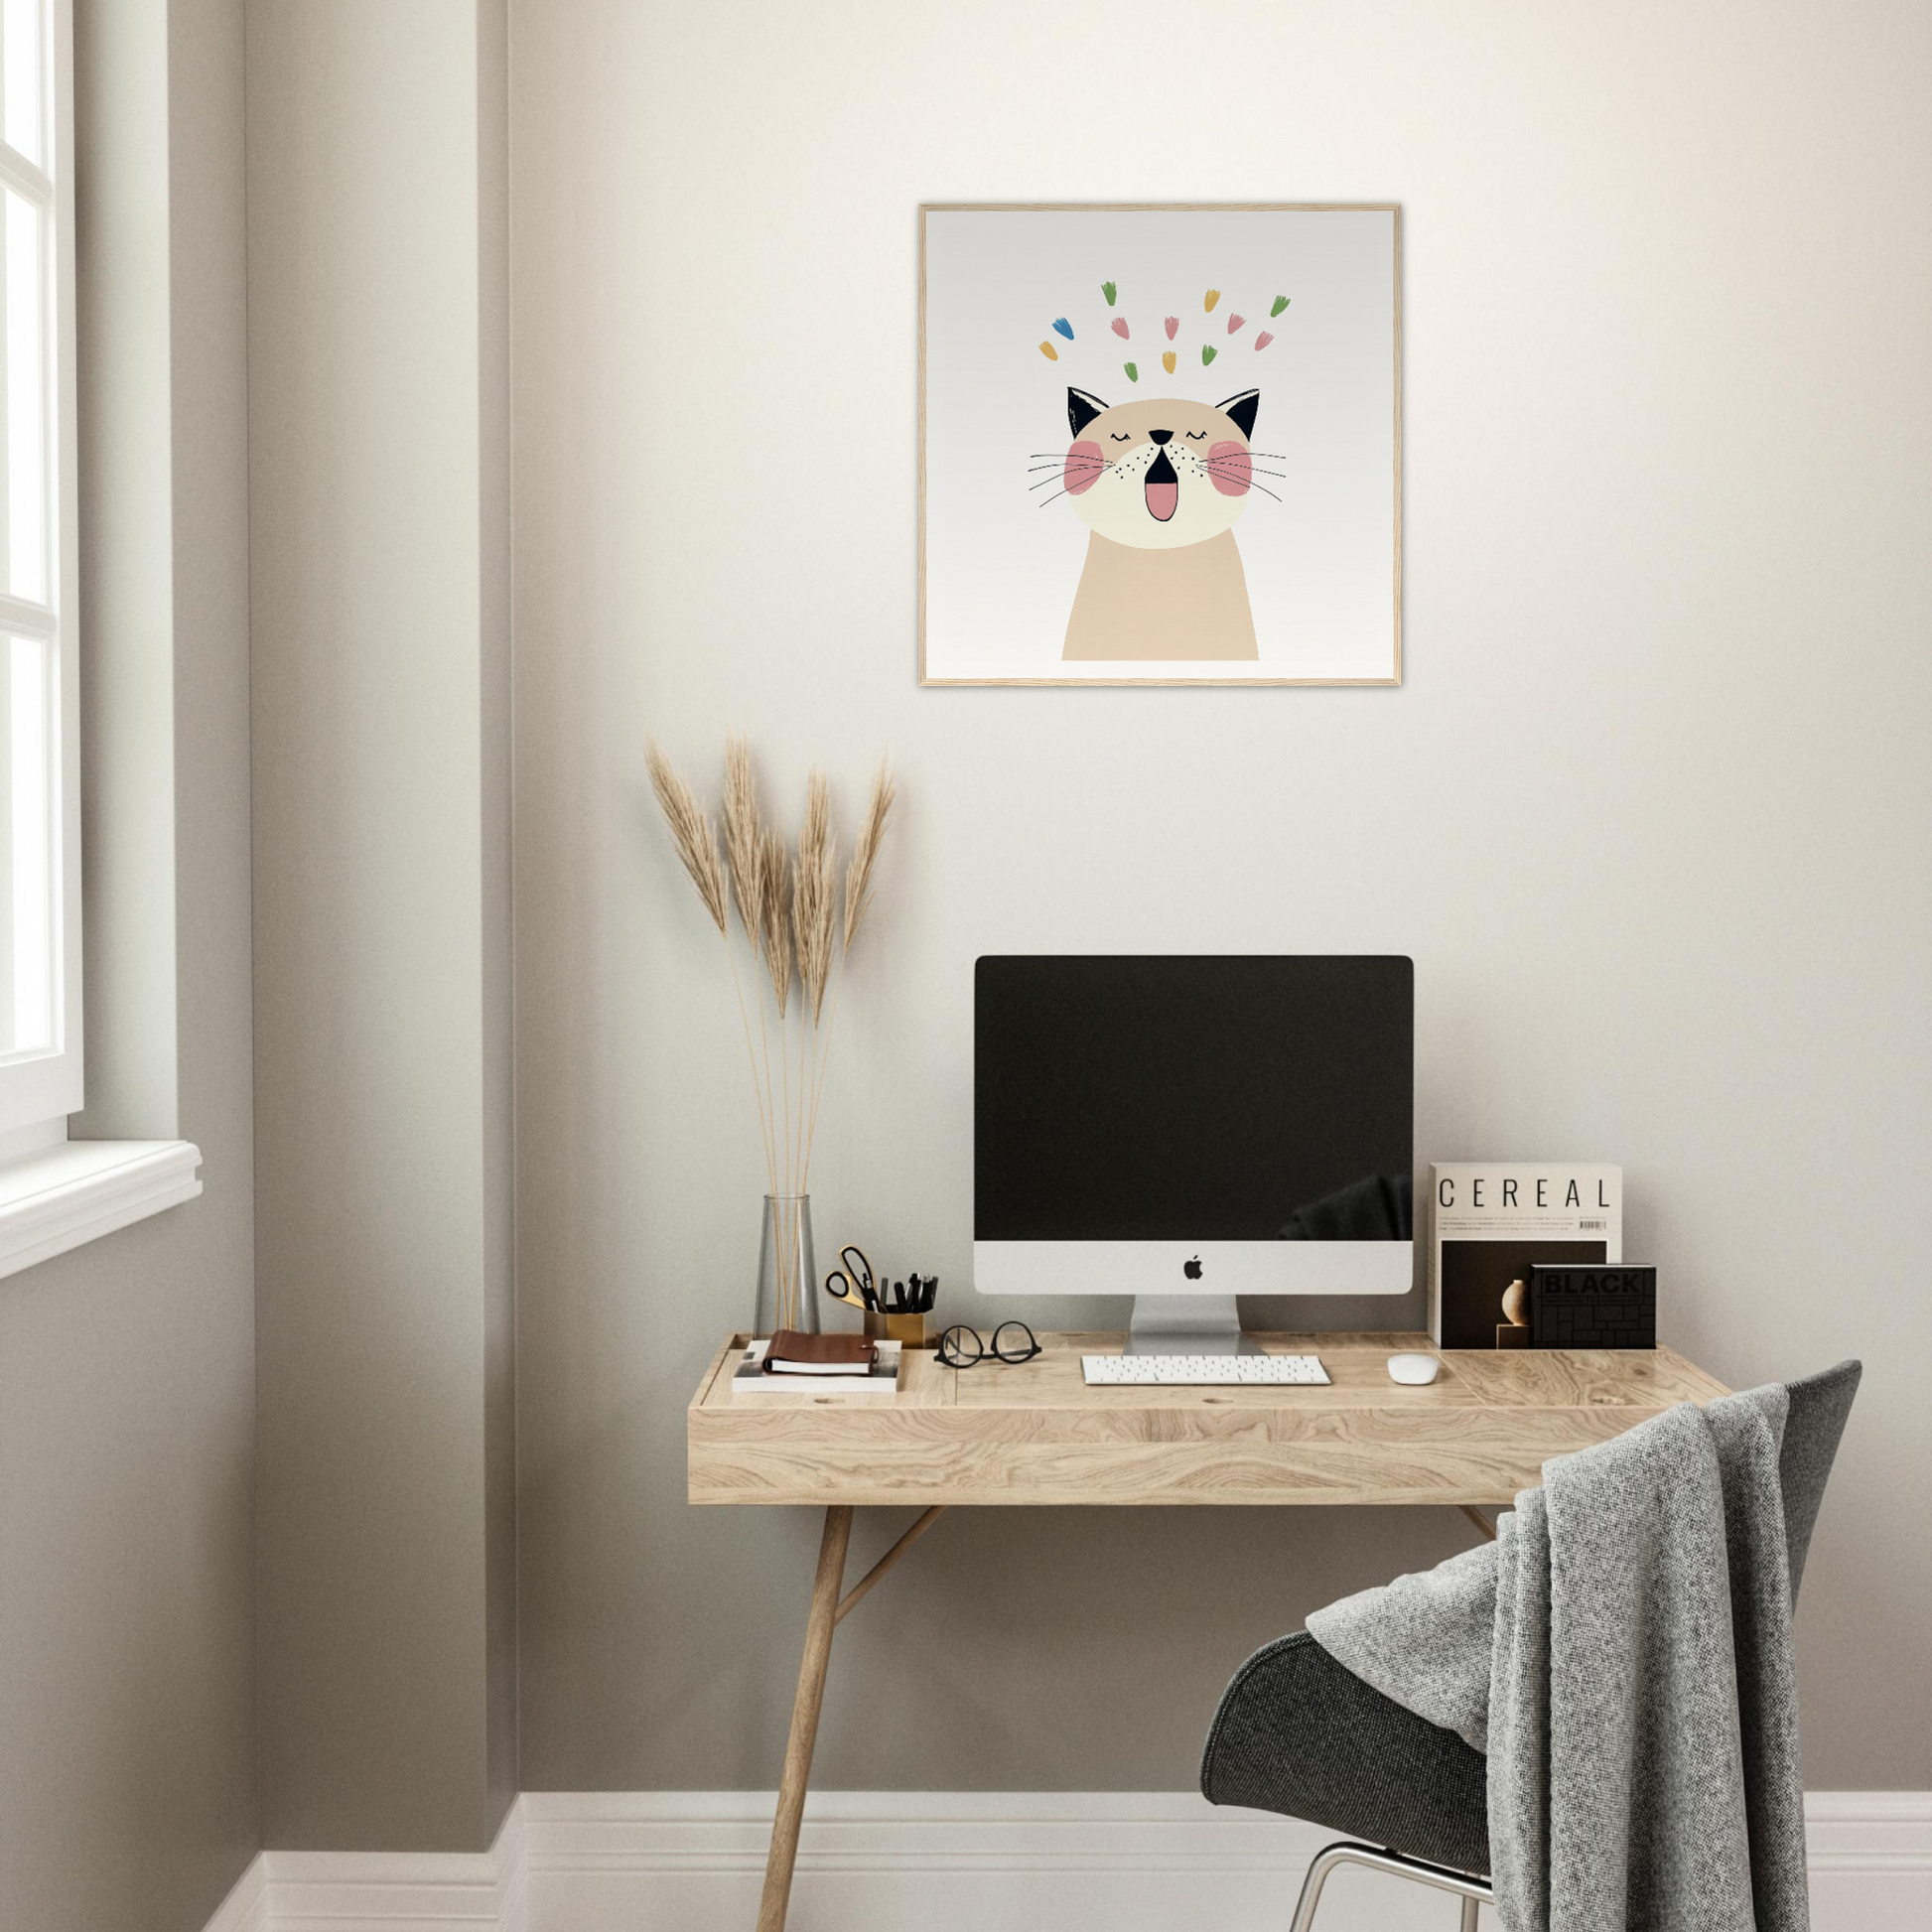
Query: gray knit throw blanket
(1622, 1652)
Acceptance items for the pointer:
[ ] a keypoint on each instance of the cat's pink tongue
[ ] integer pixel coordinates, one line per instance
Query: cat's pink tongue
(1163, 499)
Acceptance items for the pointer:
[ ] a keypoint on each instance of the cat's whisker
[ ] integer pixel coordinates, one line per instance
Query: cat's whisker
(1276, 474)
(1045, 480)
(1085, 463)
(1059, 456)
(1247, 477)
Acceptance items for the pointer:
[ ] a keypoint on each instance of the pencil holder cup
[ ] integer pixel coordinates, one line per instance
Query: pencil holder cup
(907, 1328)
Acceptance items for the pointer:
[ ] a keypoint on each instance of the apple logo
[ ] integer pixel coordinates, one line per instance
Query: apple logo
(1191, 1269)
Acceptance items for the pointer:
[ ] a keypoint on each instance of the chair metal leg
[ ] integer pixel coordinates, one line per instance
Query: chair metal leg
(1472, 1891)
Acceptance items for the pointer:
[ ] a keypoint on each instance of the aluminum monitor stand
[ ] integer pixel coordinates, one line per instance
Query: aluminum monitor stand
(1186, 1324)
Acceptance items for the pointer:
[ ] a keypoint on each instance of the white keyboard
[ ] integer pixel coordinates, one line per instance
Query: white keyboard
(1202, 1371)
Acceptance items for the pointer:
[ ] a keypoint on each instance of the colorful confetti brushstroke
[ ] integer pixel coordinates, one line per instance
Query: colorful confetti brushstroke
(1171, 325)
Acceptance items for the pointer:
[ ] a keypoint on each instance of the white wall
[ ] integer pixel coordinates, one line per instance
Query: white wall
(1650, 812)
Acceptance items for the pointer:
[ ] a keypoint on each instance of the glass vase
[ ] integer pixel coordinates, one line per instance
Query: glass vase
(787, 1271)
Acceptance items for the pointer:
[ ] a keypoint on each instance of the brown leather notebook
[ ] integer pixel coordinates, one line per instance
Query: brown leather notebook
(793, 1353)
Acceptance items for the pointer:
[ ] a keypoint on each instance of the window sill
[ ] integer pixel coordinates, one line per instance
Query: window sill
(78, 1191)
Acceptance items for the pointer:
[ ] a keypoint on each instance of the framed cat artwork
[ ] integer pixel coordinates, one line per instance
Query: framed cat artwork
(1159, 444)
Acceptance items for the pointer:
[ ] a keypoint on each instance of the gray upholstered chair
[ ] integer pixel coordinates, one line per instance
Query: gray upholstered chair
(1298, 1734)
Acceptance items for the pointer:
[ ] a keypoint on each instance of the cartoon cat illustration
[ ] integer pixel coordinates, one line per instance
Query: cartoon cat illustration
(1161, 485)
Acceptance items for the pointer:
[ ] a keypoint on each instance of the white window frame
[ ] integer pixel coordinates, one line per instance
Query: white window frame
(38, 1090)
(54, 1192)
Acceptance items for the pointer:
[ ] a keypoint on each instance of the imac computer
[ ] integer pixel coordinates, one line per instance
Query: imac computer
(1189, 1129)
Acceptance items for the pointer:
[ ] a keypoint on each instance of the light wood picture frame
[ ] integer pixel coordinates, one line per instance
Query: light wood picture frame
(1106, 389)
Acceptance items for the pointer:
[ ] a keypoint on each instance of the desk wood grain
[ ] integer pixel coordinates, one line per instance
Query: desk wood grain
(1034, 1435)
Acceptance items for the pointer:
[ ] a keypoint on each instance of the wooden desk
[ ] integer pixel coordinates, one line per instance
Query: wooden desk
(1032, 1434)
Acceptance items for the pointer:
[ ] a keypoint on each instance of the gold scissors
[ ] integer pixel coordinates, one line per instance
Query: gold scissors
(853, 1280)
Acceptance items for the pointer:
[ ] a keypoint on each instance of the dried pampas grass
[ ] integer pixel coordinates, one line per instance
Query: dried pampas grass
(774, 917)
(787, 910)
(691, 831)
(743, 848)
(865, 850)
(814, 896)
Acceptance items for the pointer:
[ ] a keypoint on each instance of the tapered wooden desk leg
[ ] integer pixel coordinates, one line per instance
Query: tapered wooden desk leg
(1478, 1519)
(805, 1718)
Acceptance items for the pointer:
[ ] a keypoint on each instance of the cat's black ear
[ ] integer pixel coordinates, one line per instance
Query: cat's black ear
(1242, 408)
(1081, 409)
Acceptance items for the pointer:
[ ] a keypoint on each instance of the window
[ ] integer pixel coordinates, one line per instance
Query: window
(40, 845)
(55, 1194)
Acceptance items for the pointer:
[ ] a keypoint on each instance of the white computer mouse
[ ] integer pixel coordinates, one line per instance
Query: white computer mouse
(1414, 1368)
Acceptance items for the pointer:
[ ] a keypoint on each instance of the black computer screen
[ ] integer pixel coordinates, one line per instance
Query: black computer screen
(1222, 1098)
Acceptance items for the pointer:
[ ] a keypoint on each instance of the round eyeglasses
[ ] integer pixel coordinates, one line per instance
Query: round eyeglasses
(962, 1347)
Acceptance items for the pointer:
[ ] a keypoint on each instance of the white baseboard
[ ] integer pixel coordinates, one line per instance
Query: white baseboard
(384, 1892)
(954, 1861)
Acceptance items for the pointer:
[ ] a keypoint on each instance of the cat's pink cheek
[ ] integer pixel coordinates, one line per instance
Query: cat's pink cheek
(1231, 467)
(1084, 463)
